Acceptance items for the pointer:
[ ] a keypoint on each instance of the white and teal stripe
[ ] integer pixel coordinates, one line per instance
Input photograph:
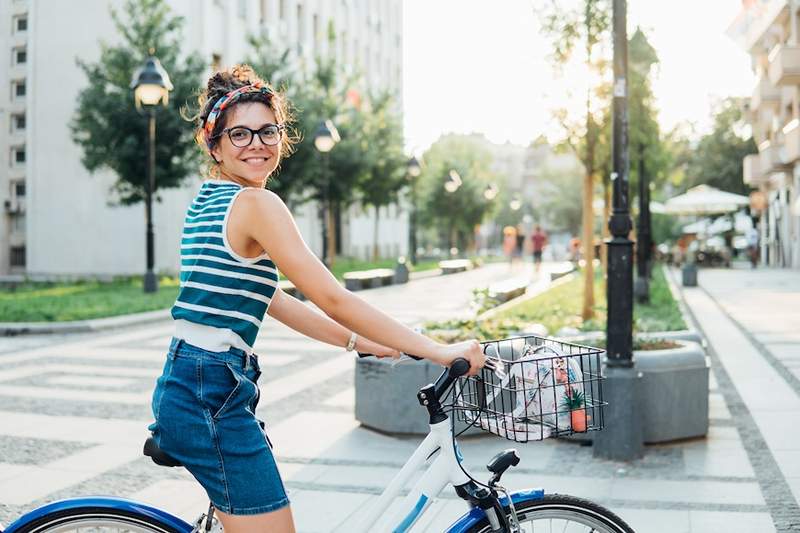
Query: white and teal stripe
(223, 297)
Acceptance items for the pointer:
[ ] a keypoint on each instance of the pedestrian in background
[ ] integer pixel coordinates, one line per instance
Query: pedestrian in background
(539, 239)
(509, 243)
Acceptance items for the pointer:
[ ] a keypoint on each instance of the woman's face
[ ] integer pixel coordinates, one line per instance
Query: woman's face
(249, 165)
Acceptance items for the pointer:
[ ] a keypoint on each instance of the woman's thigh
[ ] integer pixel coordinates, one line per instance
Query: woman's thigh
(280, 521)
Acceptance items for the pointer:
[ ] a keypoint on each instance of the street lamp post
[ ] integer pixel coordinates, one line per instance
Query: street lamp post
(414, 170)
(325, 139)
(623, 381)
(151, 86)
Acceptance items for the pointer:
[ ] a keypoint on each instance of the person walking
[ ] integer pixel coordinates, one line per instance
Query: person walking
(236, 237)
(509, 243)
(539, 239)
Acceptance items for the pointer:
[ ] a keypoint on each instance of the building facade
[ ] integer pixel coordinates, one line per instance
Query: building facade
(769, 30)
(56, 219)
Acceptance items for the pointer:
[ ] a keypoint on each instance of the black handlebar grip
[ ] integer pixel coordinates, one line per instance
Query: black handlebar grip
(363, 354)
(459, 368)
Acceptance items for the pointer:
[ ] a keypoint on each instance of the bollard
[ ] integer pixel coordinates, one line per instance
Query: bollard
(401, 271)
(689, 275)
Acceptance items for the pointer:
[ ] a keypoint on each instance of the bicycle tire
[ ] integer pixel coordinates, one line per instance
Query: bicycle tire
(560, 506)
(104, 519)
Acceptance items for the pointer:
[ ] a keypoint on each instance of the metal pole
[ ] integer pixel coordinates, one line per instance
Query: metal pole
(622, 439)
(325, 209)
(150, 281)
(412, 223)
(620, 262)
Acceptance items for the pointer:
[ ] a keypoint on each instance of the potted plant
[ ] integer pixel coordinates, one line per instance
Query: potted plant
(574, 402)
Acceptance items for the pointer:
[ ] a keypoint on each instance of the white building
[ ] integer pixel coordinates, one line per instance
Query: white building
(55, 219)
(768, 30)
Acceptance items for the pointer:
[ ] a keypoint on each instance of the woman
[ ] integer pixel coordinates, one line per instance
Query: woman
(235, 236)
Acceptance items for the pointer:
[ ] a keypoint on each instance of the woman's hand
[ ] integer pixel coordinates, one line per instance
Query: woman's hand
(469, 350)
(367, 346)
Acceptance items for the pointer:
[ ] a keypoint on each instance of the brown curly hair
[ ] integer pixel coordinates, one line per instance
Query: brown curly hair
(225, 81)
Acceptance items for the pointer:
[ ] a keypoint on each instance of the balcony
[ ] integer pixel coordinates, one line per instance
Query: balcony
(784, 65)
(772, 157)
(753, 175)
(765, 95)
(14, 206)
(791, 141)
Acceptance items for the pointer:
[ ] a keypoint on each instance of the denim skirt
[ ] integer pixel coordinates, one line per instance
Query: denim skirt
(204, 407)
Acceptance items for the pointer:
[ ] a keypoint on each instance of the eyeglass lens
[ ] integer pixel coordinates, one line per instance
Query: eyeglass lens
(241, 136)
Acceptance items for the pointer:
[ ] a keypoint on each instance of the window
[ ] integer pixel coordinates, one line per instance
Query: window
(262, 14)
(18, 155)
(17, 258)
(19, 88)
(243, 8)
(282, 9)
(18, 122)
(216, 62)
(301, 26)
(18, 223)
(19, 189)
(20, 56)
(21, 24)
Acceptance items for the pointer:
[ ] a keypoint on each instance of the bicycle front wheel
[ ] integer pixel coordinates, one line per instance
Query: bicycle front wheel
(562, 514)
(96, 520)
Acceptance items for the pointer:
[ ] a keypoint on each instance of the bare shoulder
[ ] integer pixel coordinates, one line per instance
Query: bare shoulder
(261, 204)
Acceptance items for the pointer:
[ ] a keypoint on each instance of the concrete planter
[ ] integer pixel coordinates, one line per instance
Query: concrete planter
(386, 395)
(675, 385)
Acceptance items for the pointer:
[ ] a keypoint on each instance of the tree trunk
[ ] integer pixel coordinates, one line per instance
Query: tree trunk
(375, 236)
(606, 233)
(588, 247)
(331, 234)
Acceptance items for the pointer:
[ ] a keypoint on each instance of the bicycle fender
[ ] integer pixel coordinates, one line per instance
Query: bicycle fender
(476, 514)
(103, 502)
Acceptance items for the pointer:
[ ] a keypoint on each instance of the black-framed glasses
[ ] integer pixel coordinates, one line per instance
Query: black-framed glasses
(242, 136)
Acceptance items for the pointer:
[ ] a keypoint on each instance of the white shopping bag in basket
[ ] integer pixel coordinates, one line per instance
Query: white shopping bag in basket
(542, 380)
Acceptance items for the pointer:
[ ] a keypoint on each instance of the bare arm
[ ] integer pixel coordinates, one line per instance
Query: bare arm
(263, 216)
(301, 318)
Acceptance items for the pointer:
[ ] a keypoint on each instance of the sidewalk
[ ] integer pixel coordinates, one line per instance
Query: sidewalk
(75, 414)
(751, 320)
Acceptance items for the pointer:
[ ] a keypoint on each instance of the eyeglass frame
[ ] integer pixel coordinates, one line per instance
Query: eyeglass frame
(281, 128)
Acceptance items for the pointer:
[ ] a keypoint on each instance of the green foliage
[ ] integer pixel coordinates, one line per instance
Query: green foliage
(54, 302)
(106, 125)
(717, 158)
(455, 214)
(561, 307)
(573, 399)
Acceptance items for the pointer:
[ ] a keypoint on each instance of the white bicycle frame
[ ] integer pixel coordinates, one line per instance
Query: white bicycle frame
(443, 470)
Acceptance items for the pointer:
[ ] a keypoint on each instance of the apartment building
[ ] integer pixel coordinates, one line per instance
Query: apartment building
(769, 30)
(56, 220)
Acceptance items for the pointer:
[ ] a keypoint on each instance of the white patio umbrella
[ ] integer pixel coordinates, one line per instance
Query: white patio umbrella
(705, 200)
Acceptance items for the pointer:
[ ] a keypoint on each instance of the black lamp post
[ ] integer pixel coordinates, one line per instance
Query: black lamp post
(413, 170)
(623, 381)
(151, 87)
(325, 139)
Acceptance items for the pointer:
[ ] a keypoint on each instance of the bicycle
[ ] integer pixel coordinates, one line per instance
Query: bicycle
(531, 388)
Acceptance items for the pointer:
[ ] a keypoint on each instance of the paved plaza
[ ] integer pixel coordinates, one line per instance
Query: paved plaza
(74, 412)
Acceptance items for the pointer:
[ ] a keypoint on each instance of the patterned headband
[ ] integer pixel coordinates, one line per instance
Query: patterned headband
(227, 100)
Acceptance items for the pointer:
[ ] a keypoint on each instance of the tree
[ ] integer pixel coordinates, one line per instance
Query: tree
(717, 158)
(106, 124)
(456, 213)
(385, 176)
(585, 27)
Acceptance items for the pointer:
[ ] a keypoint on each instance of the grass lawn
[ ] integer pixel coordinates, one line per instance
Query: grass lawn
(561, 307)
(58, 302)
(38, 302)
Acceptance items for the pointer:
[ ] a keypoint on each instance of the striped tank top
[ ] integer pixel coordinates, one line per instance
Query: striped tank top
(223, 296)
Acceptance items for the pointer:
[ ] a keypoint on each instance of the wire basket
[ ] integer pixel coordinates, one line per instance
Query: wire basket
(539, 388)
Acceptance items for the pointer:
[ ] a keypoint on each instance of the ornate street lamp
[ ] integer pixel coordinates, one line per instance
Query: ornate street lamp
(325, 139)
(151, 86)
(413, 170)
(454, 181)
(490, 193)
(515, 204)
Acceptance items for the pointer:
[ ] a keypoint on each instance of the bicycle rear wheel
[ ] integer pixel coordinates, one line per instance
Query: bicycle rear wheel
(96, 520)
(562, 514)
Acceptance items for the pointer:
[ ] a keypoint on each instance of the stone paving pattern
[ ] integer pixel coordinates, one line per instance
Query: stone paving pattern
(74, 411)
